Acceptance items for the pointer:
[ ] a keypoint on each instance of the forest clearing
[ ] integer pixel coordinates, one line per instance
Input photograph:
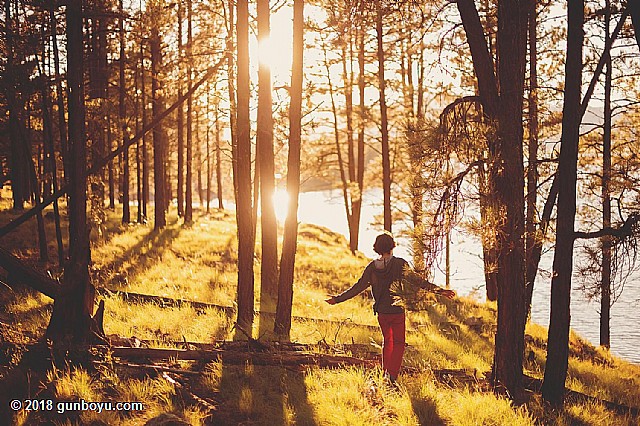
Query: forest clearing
(329, 376)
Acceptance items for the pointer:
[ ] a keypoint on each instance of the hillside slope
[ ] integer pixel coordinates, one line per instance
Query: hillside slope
(449, 348)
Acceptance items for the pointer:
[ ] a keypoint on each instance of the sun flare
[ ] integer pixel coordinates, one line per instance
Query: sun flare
(281, 203)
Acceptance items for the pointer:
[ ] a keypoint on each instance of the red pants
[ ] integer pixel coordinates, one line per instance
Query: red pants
(393, 329)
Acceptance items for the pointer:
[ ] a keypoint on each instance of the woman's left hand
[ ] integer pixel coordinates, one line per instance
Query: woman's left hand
(449, 294)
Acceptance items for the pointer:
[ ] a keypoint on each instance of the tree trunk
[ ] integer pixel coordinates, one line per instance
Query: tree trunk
(336, 135)
(233, 109)
(356, 207)
(180, 121)
(386, 162)
(208, 148)
(50, 158)
(246, 236)
(111, 172)
(532, 168)
(282, 327)
(18, 163)
(489, 249)
(219, 160)
(605, 289)
(160, 220)
(509, 185)
(558, 341)
(122, 111)
(188, 211)
(536, 253)
(145, 145)
(72, 309)
(136, 113)
(347, 78)
(506, 173)
(199, 161)
(269, 226)
(62, 125)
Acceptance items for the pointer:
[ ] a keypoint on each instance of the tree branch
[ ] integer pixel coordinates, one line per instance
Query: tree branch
(620, 232)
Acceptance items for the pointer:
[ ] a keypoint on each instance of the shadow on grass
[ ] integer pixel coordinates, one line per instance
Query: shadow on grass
(448, 324)
(426, 412)
(260, 395)
(138, 260)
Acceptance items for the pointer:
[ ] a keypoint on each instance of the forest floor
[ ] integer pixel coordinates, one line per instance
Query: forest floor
(181, 362)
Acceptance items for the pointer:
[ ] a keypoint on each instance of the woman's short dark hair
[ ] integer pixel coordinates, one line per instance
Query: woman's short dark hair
(384, 244)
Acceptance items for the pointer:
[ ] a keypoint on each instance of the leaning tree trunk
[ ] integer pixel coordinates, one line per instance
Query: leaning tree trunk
(72, 309)
(555, 373)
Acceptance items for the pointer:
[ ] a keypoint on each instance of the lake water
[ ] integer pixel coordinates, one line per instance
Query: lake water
(326, 209)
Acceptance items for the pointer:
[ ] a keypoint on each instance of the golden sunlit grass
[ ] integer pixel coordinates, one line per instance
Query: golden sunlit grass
(198, 263)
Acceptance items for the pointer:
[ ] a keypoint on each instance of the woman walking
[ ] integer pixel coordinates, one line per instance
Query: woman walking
(389, 278)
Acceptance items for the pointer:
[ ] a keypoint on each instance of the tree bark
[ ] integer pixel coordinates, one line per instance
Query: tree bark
(219, 159)
(50, 158)
(269, 226)
(180, 121)
(72, 309)
(188, 210)
(111, 172)
(336, 135)
(122, 111)
(506, 173)
(356, 207)
(160, 220)
(384, 125)
(605, 284)
(62, 124)
(555, 374)
(246, 236)
(18, 163)
(233, 108)
(282, 327)
(532, 168)
(509, 185)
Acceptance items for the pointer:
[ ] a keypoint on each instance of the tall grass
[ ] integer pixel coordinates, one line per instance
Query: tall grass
(198, 263)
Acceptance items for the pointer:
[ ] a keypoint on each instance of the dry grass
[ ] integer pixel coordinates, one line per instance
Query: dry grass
(198, 263)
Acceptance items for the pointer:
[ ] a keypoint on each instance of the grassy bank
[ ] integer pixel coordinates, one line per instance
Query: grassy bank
(198, 263)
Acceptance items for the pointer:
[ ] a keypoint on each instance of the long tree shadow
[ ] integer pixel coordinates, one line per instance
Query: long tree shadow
(139, 257)
(262, 395)
(426, 411)
(476, 340)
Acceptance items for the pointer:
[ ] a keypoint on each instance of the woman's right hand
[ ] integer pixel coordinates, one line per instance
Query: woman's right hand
(331, 300)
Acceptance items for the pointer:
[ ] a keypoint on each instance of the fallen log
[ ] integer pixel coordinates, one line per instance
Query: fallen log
(535, 385)
(239, 357)
(362, 350)
(20, 272)
(163, 302)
